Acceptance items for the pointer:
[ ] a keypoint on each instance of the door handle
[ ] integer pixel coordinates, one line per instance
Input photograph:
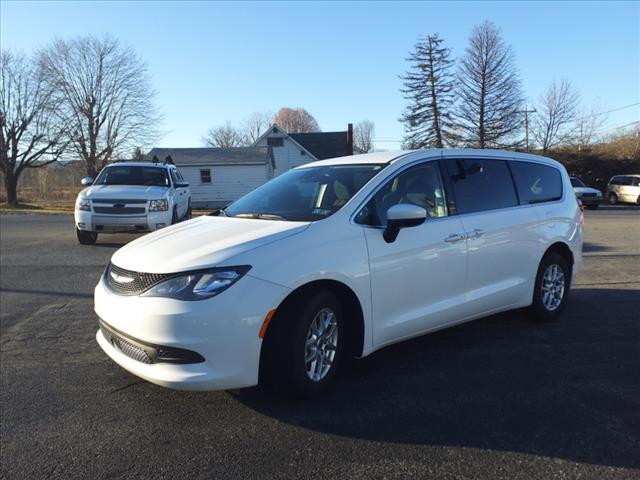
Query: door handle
(454, 237)
(476, 233)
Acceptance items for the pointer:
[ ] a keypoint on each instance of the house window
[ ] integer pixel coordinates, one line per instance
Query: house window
(302, 152)
(205, 175)
(275, 141)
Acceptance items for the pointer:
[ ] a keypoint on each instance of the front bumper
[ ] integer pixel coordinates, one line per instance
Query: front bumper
(100, 223)
(223, 330)
(590, 200)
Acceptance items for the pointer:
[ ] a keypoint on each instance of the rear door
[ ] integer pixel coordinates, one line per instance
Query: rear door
(500, 234)
(417, 281)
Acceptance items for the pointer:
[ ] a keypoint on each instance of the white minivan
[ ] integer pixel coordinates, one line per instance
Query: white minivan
(340, 257)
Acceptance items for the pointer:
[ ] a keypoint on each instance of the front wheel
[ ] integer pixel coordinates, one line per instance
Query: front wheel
(612, 198)
(174, 216)
(86, 238)
(304, 345)
(551, 288)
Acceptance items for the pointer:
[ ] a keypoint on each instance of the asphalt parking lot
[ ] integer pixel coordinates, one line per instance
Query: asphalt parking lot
(501, 397)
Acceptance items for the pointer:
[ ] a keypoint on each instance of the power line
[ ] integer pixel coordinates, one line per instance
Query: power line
(613, 110)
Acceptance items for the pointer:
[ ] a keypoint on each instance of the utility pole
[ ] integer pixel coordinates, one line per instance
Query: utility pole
(526, 126)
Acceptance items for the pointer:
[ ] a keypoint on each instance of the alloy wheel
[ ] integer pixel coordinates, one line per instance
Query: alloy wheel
(553, 285)
(321, 344)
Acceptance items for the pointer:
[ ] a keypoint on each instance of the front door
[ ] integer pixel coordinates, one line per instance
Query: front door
(417, 281)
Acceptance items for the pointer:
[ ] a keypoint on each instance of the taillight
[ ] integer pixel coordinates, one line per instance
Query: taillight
(581, 218)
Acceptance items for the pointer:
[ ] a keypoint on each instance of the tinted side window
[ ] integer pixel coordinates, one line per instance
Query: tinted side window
(635, 181)
(420, 185)
(173, 176)
(537, 183)
(480, 185)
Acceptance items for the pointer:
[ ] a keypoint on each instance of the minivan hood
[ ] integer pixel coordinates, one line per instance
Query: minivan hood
(117, 192)
(200, 243)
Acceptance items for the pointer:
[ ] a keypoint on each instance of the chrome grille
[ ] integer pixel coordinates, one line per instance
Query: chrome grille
(126, 282)
(129, 349)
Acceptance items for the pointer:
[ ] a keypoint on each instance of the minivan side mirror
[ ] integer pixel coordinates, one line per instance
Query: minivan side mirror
(86, 181)
(401, 216)
(182, 184)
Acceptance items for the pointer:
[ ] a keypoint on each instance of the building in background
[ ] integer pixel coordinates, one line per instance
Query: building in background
(219, 176)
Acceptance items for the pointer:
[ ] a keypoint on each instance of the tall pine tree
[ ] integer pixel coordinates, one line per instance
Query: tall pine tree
(489, 110)
(428, 87)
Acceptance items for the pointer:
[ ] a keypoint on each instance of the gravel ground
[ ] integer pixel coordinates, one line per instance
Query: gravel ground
(499, 398)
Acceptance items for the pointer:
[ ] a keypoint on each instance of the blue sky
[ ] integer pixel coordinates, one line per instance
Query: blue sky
(212, 62)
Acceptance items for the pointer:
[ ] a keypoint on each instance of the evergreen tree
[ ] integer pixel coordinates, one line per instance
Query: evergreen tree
(490, 97)
(428, 87)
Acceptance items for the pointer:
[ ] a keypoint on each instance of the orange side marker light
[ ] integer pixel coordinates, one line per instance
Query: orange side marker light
(265, 324)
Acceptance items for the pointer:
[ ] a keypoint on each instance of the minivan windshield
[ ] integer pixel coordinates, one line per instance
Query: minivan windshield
(133, 175)
(576, 182)
(304, 194)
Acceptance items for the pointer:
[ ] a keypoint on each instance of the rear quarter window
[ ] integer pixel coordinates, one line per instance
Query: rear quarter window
(537, 183)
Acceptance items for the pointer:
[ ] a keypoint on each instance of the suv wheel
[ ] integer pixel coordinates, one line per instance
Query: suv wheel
(174, 216)
(86, 238)
(304, 345)
(189, 214)
(551, 288)
(612, 198)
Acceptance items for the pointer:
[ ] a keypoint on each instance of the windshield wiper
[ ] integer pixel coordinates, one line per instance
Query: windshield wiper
(260, 216)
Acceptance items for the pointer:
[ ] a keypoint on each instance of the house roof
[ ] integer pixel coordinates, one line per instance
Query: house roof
(215, 156)
(323, 145)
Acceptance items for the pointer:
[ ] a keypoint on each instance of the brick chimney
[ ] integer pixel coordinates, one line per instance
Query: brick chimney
(350, 139)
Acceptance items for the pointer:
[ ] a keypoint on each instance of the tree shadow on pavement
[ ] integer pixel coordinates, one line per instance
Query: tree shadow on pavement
(566, 390)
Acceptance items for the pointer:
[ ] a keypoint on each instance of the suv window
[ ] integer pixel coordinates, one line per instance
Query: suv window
(174, 177)
(480, 185)
(419, 185)
(538, 183)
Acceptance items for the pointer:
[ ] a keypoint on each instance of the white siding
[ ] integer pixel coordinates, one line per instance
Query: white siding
(228, 182)
(289, 156)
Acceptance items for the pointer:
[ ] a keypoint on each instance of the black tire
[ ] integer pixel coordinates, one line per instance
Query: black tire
(284, 367)
(540, 310)
(189, 214)
(86, 238)
(174, 216)
(593, 206)
(612, 198)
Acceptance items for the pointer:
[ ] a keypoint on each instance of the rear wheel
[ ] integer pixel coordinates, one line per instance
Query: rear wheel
(612, 198)
(551, 288)
(304, 345)
(86, 238)
(593, 206)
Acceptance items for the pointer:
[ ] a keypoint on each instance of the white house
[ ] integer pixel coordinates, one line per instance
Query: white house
(291, 150)
(218, 176)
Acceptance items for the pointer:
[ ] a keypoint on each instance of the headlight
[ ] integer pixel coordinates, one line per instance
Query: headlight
(83, 204)
(198, 285)
(158, 205)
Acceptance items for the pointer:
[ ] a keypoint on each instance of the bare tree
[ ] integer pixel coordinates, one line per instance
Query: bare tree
(490, 95)
(587, 124)
(428, 87)
(254, 126)
(363, 135)
(105, 95)
(29, 135)
(554, 121)
(224, 136)
(296, 120)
